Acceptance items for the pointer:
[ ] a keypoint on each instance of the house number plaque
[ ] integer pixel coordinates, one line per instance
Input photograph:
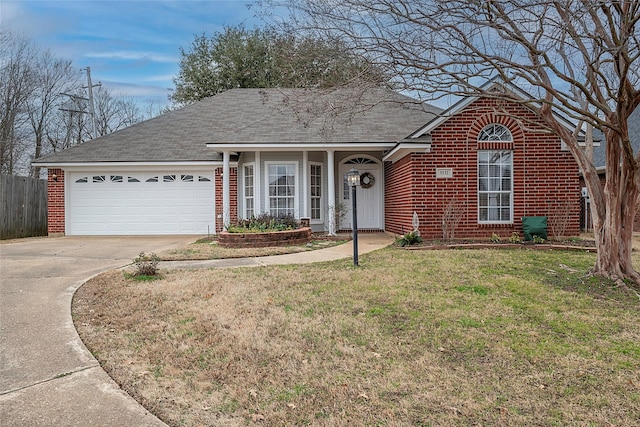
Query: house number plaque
(444, 173)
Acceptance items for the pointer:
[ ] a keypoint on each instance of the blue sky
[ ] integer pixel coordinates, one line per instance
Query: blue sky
(132, 47)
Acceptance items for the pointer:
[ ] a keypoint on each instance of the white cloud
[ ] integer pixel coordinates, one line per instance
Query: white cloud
(132, 55)
(138, 91)
(162, 78)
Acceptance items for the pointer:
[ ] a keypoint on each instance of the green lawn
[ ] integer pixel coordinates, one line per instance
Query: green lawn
(442, 338)
(208, 248)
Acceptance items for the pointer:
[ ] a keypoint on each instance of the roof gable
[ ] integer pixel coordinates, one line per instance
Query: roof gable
(494, 84)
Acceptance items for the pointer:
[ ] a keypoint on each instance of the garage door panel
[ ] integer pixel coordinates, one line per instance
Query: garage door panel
(135, 203)
(136, 211)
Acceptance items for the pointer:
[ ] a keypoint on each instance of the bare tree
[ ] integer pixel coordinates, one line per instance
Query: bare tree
(52, 78)
(578, 58)
(43, 108)
(151, 109)
(559, 219)
(17, 58)
(451, 217)
(114, 111)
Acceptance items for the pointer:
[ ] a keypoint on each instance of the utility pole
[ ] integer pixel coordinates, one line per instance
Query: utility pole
(92, 109)
(75, 99)
(77, 108)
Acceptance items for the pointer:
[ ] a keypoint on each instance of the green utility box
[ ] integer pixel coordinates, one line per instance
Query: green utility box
(534, 226)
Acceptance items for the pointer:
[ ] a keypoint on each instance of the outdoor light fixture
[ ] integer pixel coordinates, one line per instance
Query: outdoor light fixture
(55, 177)
(353, 179)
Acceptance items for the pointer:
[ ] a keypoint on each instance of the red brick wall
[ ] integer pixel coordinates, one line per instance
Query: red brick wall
(543, 175)
(233, 197)
(55, 199)
(399, 202)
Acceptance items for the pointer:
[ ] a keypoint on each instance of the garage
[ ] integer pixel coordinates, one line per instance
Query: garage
(135, 203)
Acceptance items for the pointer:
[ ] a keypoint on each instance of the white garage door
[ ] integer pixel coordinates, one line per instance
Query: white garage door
(132, 203)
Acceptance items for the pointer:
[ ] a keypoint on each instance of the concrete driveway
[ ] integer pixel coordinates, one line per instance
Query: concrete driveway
(47, 376)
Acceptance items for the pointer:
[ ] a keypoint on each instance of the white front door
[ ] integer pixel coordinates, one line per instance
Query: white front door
(368, 197)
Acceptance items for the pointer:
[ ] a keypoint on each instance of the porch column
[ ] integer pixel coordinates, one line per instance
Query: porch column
(226, 204)
(331, 193)
(257, 187)
(305, 185)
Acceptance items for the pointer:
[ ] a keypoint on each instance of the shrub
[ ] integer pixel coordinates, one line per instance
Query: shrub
(146, 265)
(453, 213)
(409, 239)
(537, 239)
(515, 238)
(264, 223)
(495, 238)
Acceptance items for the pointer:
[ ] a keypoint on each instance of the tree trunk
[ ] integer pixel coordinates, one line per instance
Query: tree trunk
(612, 208)
(613, 231)
(35, 170)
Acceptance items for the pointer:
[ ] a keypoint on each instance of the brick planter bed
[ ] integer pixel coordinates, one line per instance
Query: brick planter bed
(299, 236)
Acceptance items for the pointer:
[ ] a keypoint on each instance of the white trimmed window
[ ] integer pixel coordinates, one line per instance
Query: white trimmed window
(249, 192)
(282, 178)
(495, 177)
(495, 187)
(315, 191)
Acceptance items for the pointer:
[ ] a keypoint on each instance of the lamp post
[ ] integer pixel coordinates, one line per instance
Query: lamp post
(353, 179)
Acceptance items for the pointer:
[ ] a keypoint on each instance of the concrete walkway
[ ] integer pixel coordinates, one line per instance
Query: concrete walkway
(367, 242)
(47, 376)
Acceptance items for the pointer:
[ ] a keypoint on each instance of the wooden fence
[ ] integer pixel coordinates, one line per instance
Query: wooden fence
(24, 207)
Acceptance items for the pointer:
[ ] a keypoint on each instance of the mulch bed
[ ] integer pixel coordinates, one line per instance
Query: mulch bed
(582, 245)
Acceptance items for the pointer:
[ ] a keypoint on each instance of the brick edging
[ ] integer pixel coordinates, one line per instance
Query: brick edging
(299, 236)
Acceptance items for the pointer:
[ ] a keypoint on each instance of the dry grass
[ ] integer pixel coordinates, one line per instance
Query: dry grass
(451, 338)
(207, 248)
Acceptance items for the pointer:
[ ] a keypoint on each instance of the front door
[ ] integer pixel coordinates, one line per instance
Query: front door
(368, 195)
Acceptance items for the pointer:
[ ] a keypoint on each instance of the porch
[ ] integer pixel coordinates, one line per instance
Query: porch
(305, 184)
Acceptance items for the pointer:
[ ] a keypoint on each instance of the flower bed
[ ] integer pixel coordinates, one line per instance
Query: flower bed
(299, 236)
(485, 245)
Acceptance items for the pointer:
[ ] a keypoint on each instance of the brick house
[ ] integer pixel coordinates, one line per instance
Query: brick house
(484, 163)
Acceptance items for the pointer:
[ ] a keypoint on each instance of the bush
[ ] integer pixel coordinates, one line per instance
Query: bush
(264, 223)
(409, 239)
(146, 265)
(537, 239)
(495, 238)
(515, 238)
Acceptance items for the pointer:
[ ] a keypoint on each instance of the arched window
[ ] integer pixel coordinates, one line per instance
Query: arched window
(495, 132)
(495, 178)
(360, 161)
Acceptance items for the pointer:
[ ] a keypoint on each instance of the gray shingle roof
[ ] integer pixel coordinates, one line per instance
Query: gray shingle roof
(257, 116)
(599, 152)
